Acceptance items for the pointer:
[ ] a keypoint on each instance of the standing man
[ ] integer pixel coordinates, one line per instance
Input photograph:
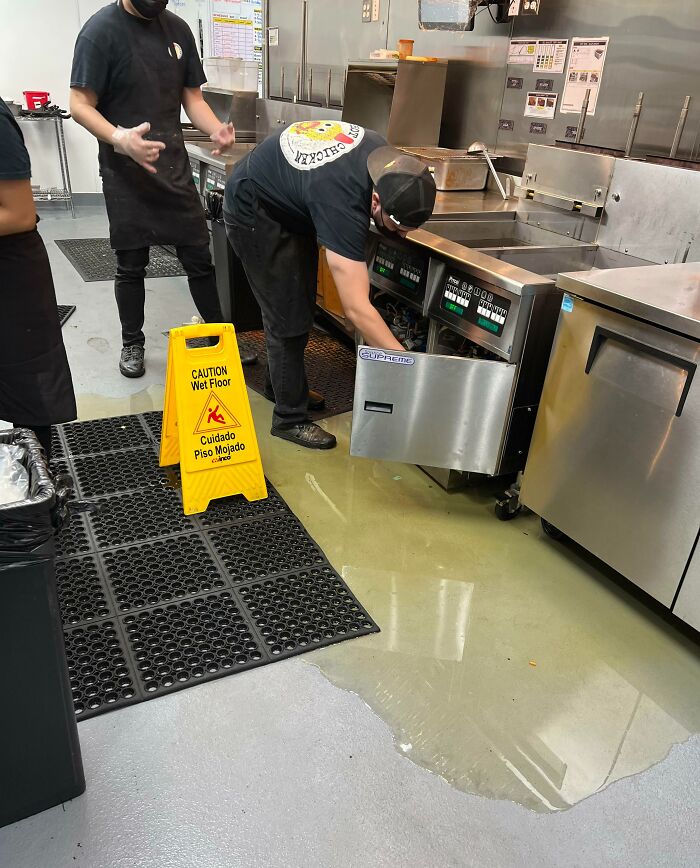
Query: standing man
(317, 182)
(135, 64)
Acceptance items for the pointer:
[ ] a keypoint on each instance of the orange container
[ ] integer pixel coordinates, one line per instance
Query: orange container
(405, 48)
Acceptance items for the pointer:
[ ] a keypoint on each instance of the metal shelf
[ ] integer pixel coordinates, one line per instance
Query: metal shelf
(55, 194)
(51, 194)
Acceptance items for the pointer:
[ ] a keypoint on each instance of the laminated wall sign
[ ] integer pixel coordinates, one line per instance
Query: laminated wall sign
(540, 104)
(585, 70)
(207, 422)
(522, 51)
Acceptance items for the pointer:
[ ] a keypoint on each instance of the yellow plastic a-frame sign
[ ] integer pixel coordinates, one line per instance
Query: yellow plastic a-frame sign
(207, 423)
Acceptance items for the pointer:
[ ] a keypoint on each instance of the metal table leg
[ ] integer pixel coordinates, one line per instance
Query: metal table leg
(63, 160)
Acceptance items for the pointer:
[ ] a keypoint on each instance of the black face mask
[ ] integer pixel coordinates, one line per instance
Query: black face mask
(149, 8)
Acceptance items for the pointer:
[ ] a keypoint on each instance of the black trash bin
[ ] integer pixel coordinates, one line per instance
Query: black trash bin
(40, 761)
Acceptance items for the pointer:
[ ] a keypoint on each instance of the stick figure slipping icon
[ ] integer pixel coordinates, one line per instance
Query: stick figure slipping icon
(215, 416)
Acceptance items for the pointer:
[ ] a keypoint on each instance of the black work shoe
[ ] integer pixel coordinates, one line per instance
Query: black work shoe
(248, 357)
(316, 399)
(307, 434)
(131, 361)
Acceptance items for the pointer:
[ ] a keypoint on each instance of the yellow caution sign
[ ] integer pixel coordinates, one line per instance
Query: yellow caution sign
(207, 422)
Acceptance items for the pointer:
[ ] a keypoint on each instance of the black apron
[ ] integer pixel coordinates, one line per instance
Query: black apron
(35, 381)
(146, 209)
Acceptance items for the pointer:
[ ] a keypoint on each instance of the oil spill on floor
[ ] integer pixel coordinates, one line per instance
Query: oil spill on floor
(91, 406)
(507, 663)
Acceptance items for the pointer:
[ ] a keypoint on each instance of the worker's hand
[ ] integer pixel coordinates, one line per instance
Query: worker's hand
(223, 138)
(132, 144)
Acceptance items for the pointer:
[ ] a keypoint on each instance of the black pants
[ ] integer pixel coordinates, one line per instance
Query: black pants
(282, 269)
(130, 290)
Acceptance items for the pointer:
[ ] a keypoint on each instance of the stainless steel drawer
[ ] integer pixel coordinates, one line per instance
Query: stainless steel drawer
(615, 461)
(438, 411)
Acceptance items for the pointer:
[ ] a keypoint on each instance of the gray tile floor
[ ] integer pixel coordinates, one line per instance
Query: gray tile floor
(282, 767)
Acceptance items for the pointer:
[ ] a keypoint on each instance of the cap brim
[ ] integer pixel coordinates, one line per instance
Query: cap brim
(380, 161)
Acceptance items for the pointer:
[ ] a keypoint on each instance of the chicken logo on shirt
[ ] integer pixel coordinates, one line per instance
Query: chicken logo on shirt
(310, 144)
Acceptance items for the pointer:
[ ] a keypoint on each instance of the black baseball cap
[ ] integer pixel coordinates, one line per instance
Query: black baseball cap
(404, 184)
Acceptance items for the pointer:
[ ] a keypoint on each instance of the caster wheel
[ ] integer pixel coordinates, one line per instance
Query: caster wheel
(551, 531)
(504, 512)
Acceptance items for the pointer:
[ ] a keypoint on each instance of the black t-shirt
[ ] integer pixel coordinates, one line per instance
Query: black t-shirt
(312, 177)
(102, 60)
(14, 159)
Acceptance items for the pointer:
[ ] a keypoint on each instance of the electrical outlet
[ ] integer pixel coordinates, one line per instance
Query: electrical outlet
(367, 11)
(375, 10)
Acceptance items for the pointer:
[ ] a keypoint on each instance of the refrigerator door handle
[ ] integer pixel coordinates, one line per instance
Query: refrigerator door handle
(600, 335)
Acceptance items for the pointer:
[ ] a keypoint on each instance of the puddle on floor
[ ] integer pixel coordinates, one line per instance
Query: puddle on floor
(92, 406)
(507, 664)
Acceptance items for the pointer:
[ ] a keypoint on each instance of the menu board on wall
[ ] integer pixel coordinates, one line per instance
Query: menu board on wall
(236, 30)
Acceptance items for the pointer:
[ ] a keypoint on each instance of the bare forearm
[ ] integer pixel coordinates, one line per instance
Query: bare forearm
(352, 282)
(88, 116)
(11, 222)
(373, 329)
(201, 115)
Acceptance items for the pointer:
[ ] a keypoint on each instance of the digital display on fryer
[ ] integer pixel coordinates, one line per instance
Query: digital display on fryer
(401, 267)
(465, 298)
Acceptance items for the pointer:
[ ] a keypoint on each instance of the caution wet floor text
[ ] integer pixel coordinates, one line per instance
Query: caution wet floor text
(207, 422)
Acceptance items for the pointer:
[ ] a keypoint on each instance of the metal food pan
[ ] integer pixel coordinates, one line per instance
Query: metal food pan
(454, 169)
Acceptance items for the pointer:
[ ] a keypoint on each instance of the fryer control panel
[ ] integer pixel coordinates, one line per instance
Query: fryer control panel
(474, 302)
(214, 179)
(196, 167)
(401, 270)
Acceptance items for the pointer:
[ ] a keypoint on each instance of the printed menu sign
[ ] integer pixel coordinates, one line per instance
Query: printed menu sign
(585, 71)
(540, 104)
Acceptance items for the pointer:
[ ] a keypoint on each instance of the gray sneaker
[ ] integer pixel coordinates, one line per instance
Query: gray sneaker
(131, 361)
(306, 434)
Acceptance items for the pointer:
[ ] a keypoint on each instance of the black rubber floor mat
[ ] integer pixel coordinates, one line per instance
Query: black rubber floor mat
(101, 676)
(94, 259)
(73, 539)
(186, 641)
(162, 571)
(302, 609)
(81, 594)
(330, 370)
(138, 517)
(65, 312)
(265, 547)
(126, 470)
(153, 601)
(104, 435)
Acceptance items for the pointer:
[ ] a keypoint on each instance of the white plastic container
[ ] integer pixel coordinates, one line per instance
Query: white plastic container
(231, 73)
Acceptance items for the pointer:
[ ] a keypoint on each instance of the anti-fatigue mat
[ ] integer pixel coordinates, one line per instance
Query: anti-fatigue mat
(330, 370)
(153, 601)
(65, 311)
(94, 259)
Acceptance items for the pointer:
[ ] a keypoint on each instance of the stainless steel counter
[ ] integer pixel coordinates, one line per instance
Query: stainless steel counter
(614, 462)
(665, 295)
(234, 154)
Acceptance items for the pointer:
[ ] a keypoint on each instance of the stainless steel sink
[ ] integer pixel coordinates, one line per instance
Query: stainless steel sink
(530, 247)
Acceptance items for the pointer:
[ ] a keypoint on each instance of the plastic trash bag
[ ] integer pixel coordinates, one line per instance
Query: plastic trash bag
(29, 523)
(14, 479)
